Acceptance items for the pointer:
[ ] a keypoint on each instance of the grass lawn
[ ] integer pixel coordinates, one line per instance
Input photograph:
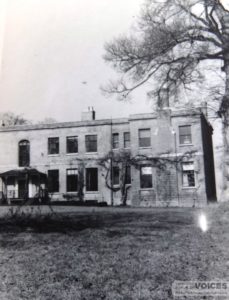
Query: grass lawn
(111, 254)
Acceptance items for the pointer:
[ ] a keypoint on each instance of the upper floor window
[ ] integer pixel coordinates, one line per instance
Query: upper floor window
(185, 134)
(91, 143)
(72, 180)
(53, 145)
(126, 136)
(188, 175)
(72, 144)
(53, 181)
(92, 179)
(24, 153)
(146, 177)
(115, 140)
(144, 138)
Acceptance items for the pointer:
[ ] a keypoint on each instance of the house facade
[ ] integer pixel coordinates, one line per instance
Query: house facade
(170, 159)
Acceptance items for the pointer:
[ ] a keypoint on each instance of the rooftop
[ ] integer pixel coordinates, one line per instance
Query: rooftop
(145, 116)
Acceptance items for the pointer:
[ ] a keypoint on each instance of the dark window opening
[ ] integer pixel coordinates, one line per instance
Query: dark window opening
(185, 134)
(115, 140)
(72, 144)
(128, 175)
(24, 154)
(188, 175)
(91, 143)
(53, 181)
(53, 145)
(72, 180)
(146, 178)
(11, 181)
(115, 175)
(92, 179)
(144, 138)
(126, 140)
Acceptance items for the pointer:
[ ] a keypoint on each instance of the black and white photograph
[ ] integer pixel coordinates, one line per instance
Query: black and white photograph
(114, 149)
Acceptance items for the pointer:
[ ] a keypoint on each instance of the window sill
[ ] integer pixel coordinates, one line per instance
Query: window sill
(183, 145)
(75, 153)
(89, 153)
(188, 187)
(53, 155)
(149, 147)
(146, 189)
(91, 192)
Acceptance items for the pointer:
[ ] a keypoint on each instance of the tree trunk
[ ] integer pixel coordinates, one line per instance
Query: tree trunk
(226, 136)
(81, 182)
(123, 183)
(225, 104)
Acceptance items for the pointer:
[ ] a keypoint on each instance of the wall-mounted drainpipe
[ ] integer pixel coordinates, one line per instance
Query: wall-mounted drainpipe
(175, 144)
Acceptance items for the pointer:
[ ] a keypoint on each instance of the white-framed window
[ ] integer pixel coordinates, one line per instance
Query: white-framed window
(188, 174)
(92, 179)
(144, 136)
(72, 180)
(146, 177)
(72, 144)
(24, 153)
(115, 140)
(185, 134)
(126, 136)
(91, 143)
(53, 145)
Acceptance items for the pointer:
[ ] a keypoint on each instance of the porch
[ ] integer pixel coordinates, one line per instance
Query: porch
(23, 185)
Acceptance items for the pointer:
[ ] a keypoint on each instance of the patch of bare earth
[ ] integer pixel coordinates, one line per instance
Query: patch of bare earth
(111, 254)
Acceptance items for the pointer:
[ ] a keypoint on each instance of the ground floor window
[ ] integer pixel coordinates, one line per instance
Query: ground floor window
(128, 175)
(115, 175)
(146, 177)
(72, 180)
(92, 179)
(53, 181)
(188, 175)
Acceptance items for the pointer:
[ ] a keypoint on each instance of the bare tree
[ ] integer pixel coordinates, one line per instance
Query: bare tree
(11, 119)
(170, 45)
(122, 159)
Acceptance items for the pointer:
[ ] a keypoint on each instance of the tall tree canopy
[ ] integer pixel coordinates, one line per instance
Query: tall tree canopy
(167, 47)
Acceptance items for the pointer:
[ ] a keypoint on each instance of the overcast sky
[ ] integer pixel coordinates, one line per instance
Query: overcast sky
(51, 57)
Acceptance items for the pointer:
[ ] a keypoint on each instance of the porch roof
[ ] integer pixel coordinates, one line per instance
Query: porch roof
(22, 172)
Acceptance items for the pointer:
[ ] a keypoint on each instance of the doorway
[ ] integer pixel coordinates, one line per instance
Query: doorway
(22, 188)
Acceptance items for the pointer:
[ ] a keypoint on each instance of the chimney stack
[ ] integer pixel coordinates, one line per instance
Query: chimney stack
(88, 115)
(163, 99)
(204, 108)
